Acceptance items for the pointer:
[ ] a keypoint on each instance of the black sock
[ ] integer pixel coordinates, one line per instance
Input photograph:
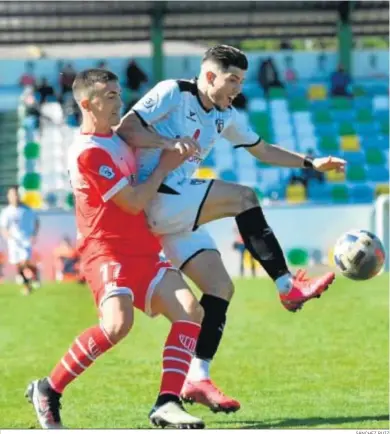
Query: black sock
(261, 242)
(212, 326)
(166, 397)
(25, 280)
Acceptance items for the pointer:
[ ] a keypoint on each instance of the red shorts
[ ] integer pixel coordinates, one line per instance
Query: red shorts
(112, 275)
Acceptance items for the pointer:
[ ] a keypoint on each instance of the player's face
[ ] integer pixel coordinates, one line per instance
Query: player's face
(106, 103)
(13, 196)
(225, 87)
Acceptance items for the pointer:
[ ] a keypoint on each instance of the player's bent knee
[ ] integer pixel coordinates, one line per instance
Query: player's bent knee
(117, 317)
(223, 288)
(248, 198)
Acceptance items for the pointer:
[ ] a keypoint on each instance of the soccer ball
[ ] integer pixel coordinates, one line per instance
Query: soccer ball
(359, 255)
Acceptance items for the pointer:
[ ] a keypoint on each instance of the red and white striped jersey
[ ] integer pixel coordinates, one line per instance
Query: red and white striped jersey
(99, 167)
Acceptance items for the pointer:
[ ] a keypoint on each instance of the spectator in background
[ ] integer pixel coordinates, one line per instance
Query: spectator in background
(373, 67)
(268, 76)
(339, 82)
(135, 77)
(241, 249)
(286, 45)
(67, 76)
(28, 78)
(45, 90)
(66, 262)
(290, 75)
(102, 64)
(240, 102)
(322, 69)
(309, 175)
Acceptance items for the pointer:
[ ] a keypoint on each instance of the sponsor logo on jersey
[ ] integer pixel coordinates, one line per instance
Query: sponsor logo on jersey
(219, 124)
(106, 172)
(191, 116)
(196, 181)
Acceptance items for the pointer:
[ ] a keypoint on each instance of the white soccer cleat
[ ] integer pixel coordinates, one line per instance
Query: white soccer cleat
(46, 403)
(173, 415)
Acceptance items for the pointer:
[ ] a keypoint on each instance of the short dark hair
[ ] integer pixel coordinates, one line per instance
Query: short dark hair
(226, 56)
(85, 80)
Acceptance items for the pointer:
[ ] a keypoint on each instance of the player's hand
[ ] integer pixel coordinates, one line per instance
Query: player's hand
(329, 163)
(171, 160)
(183, 145)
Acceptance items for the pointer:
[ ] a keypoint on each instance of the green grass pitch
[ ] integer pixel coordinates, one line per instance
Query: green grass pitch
(324, 367)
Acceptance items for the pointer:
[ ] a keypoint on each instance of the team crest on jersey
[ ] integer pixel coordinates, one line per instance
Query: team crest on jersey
(150, 101)
(220, 124)
(106, 172)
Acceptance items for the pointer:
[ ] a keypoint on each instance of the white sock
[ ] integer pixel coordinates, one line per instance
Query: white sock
(199, 370)
(284, 283)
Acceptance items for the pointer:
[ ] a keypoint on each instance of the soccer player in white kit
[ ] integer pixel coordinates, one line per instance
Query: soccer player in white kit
(202, 109)
(19, 226)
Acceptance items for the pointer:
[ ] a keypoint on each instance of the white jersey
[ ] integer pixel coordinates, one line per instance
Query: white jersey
(20, 222)
(174, 109)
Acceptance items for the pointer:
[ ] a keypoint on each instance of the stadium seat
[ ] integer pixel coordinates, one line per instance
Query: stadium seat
(298, 257)
(341, 103)
(362, 103)
(358, 90)
(334, 176)
(317, 92)
(295, 193)
(205, 173)
(364, 116)
(33, 199)
(356, 173)
(346, 129)
(318, 191)
(378, 174)
(367, 129)
(298, 104)
(380, 103)
(354, 157)
(228, 175)
(350, 143)
(340, 193)
(375, 156)
(257, 105)
(385, 127)
(277, 93)
(382, 189)
(362, 194)
(344, 115)
(326, 129)
(328, 144)
(322, 117)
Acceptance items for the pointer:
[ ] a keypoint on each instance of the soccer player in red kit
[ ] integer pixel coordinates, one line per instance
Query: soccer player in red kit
(120, 258)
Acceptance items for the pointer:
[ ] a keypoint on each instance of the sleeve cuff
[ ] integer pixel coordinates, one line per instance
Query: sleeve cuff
(142, 120)
(248, 145)
(114, 190)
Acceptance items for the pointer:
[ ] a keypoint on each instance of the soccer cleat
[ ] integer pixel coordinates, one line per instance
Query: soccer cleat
(304, 289)
(206, 393)
(46, 404)
(173, 415)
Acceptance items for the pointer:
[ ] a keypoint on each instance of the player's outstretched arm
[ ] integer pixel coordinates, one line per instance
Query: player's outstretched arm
(278, 156)
(135, 199)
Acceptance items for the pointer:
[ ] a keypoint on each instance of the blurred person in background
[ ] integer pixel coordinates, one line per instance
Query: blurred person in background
(19, 226)
(239, 246)
(290, 75)
(28, 78)
(66, 261)
(68, 74)
(321, 72)
(339, 82)
(135, 77)
(268, 76)
(45, 90)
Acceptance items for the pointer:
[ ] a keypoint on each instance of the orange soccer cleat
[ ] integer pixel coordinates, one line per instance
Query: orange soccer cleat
(304, 289)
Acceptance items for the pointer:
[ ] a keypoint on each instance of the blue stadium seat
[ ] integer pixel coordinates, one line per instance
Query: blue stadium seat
(326, 129)
(362, 193)
(363, 103)
(366, 129)
(375, 141)
(353, 157)
(320, 192)
(343, 115)
(228, 175)
(377, 173)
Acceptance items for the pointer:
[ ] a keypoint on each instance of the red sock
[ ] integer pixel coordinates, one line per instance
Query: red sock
(85, 349)
(178, 352)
